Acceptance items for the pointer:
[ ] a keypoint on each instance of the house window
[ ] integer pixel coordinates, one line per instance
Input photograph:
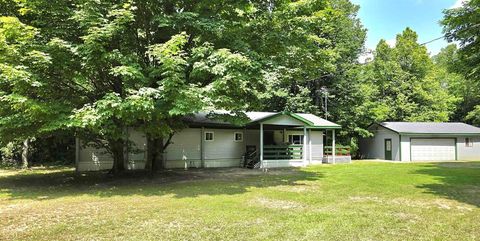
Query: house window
(468, 142)
(238, 136)
(209, 136)
(295, 139)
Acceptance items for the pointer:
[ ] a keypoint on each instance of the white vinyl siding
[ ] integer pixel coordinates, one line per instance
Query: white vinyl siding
(184, 148)
(317, 146)
(223, 151)
(374, 147)
(433, 149)
(93, 159)
(466, 153)
(405, 148)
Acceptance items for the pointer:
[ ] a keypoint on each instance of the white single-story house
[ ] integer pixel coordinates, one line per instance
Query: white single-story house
(422, 141)
(269, 139)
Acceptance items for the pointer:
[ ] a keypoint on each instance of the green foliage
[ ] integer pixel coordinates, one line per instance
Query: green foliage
(25, 109)
(97, 67)
(463, 26)
(408, 85)
(9, 155)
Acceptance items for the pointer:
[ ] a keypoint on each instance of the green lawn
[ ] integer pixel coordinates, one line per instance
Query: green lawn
(363, 200)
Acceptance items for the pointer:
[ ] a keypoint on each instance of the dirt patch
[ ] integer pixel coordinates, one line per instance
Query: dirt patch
(297, 188)
(406, 217)
(365, 199)
(276, 204)
(415, 203)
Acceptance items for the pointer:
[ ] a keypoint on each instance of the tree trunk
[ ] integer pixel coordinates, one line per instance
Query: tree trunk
(25, 147)
(155, 150)
(118, 152)
(151, 152)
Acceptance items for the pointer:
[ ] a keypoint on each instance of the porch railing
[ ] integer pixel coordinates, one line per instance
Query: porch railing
(282, 152)
(339, 150)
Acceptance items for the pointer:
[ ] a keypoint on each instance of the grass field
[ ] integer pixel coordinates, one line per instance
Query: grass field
(360, 201)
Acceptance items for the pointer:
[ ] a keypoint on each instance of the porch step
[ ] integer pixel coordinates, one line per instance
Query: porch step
(338, 159)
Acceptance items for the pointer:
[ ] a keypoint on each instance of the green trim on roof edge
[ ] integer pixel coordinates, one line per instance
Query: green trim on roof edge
(293, 115)
(298, 117)
(320, 127)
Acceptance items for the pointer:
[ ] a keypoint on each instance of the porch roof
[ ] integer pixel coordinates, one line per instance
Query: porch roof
(308, 120)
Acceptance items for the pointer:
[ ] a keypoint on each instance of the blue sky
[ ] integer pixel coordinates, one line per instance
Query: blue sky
(384, 19)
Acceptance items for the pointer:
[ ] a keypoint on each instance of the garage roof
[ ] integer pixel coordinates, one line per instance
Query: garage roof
(431, 127)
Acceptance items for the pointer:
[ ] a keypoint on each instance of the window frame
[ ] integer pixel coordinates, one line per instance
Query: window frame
(292, 142)
(235, 136)
(468, 142)
(209, 132)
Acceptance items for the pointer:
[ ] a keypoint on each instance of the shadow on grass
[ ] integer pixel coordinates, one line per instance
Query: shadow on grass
(195, 182)
(459, 181)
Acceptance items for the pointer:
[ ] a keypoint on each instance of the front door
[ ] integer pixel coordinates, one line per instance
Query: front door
(388, 149)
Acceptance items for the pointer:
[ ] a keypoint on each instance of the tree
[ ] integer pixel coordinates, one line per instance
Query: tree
(23, 111)
(463, 26)
(153, 80)
(408, 85)
(318, 50)
(449, 68)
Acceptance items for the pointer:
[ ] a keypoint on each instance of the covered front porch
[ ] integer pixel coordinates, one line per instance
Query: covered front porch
(288, 139)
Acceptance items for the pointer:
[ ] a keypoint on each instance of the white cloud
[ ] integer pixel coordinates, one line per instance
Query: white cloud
(366, 56)
(459, 3)
(391, 42)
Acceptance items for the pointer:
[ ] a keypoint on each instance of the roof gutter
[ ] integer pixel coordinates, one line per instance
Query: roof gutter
(439, 134)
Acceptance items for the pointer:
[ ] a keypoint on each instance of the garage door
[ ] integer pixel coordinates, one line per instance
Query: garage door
(433, 149)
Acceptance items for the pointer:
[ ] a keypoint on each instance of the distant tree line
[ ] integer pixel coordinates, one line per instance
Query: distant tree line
(90, 69)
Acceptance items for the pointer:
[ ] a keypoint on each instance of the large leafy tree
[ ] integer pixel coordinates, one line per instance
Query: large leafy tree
(319, 41)
(462, 25)
(115, 64)
(25, 111)
(332, 38)
(407, 84)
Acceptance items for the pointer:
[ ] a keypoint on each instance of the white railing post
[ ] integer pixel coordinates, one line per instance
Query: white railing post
(310, 146)
(202, 147)
(261, 146)
(334, 150)
(304, 150)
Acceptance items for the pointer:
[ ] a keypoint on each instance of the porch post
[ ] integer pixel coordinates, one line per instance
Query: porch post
(202, 147)
(304, 150)
(310, 146)
(334, 150)
(261, 145)
(244, 146)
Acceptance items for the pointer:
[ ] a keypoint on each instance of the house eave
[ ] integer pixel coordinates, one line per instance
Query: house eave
(437, 134)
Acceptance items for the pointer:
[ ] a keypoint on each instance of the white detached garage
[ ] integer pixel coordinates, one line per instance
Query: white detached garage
(422, 141)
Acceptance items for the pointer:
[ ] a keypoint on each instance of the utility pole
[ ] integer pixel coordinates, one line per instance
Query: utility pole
(324, 91)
